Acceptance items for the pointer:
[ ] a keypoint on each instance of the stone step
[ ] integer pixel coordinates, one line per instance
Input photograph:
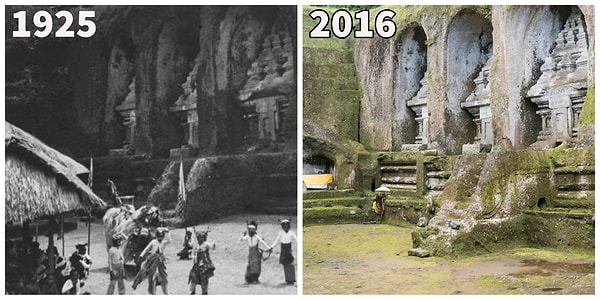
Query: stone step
(439, 174)
(562, 213)
(587, 196)
(399, 168)
(333, 215)
(400, 179)
(398, 186)
(417, 202)
(322, 194)
(343, 202)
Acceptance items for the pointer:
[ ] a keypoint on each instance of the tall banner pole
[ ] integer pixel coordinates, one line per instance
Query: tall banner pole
(89, 220)
(62, 233)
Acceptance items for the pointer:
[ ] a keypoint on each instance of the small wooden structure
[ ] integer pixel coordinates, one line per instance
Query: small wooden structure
(41, 182)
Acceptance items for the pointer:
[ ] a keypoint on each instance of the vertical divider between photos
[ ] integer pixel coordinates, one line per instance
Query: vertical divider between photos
(300, 122)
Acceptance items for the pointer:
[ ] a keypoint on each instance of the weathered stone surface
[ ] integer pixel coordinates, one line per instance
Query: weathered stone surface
(419, 252)
(413, 147)
(157, 46)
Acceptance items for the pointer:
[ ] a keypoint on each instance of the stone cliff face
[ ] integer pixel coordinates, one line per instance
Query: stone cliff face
(468, 114)
(152, 50)
(456, 43)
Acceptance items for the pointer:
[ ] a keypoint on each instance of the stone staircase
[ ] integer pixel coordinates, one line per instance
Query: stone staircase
(575, 196)
(334, 207)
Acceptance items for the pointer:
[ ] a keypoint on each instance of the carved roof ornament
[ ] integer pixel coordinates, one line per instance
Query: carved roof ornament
(418, 104)
(129, 103)
(560, 91)
(272, 73)
(478, 105)
(189, 99)
(567, 63)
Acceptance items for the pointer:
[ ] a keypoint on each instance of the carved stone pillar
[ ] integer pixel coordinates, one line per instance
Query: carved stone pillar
(478, 105)
(418, 104)
(127, 112)
(186, 110)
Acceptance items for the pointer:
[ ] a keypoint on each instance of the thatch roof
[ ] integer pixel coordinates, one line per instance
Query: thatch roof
(41, 181)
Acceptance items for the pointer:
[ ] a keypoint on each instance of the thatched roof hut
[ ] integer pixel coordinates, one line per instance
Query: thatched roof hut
(41, 181)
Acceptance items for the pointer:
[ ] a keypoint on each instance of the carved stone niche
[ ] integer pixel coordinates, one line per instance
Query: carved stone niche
(186, 110)
(127, 111)
(561, 89)
(478, 105)
(264, 115)
(418, 104)
(265, 98)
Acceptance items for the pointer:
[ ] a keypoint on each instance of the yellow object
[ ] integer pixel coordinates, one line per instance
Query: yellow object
(317, 181)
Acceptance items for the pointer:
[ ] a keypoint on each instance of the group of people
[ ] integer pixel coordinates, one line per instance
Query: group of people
(28, 264)
(153, 267)
(29, 271)
(286, 258)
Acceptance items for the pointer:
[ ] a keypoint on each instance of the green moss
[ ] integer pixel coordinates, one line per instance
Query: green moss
(571, 157)
(588, 110)
(332, 215)
(502, 169)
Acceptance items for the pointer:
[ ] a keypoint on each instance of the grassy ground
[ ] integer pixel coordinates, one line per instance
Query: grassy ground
(373, 259)
(230, 259)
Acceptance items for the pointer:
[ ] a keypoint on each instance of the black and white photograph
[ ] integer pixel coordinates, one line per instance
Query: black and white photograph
(151, 150)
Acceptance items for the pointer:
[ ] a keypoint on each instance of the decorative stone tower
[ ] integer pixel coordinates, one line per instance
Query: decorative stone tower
(478, 105)
(186, 109)
(418, 104)
(127, 111)
(265, 97)
(561, 89)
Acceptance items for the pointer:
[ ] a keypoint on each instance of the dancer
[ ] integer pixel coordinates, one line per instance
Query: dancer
(203, 268)
(286, 258)
(154, 266)
(254, 253)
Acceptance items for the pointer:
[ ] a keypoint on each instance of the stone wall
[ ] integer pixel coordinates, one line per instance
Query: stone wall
(156, 47)
(225, 185)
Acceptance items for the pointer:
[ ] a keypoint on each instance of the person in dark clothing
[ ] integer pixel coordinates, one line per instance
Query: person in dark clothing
(187, 245)
(203, 268)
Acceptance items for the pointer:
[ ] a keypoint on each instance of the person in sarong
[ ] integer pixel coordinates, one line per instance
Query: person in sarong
(286, 258)
(188, 245)
(203, 268)
(153, 266)
(254, 252)
(116, 266)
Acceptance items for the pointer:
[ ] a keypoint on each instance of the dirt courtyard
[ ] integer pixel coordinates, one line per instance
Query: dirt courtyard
(373, 259)
(230, 258)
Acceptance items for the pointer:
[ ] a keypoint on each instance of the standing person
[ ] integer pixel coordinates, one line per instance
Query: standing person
(254, 253)
(188, 245)
(81, 261)
(203, 268)
(286, 258)
(116, 266)
(141, 243)
(154, 266)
